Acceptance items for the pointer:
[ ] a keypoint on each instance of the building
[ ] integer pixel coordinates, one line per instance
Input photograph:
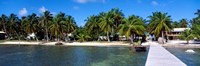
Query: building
(175, 33)
(2, 35)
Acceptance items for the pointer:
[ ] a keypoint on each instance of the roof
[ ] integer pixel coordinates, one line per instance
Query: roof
(2, 32)
(179, 29)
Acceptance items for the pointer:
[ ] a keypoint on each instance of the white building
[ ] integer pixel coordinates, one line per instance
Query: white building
(175, 33)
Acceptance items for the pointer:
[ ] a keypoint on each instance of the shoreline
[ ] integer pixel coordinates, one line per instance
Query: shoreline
(68, 44)
(94, 43)
(182, 45)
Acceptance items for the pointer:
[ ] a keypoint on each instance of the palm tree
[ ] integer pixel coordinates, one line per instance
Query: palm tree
(198, 12)
(30, 23)
(183, 23)
(44, 22)
(55, 28)
(196, 25)
(175, 24)
(4, 20)
(19, 29)
(159, 22)
(106, 23)
(70, 25)
(132, 25)
(13, 25)
(196, 20)
(117, 16)
(82, 37)
(92, 25)
(187, 35)
(62, 24)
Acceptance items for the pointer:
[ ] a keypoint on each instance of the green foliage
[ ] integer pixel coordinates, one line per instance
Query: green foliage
(175, 24)
(30, 23)
(61, 24)
(81, 34)
(3, 22)
(138, 43)
(83, 37)
(134, 24)
(159, 22)
(111, 23)
(187, 35)
(183, 23)
(196, 30)
(45, 19)
(92, 26)
(196, 25)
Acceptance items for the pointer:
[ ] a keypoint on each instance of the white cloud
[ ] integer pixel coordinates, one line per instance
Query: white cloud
(154, 3)
(86, 1)
(23, 12)
(42, 9)
(76, 7)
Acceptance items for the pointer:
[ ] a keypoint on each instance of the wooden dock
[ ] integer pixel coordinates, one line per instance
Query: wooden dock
(159, 56)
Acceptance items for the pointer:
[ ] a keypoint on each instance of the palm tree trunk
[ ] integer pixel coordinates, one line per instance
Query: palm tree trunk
(112, 33)
(131, 39)
(58, 38)
(162, 34)
(98, 36)
(162, 37)
(67, 37)
(108, 36)
(18, 37)
(47, 34)
(36, 38)
(46, 28)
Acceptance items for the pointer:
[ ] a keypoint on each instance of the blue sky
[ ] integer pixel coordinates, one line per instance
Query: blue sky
(81, 9)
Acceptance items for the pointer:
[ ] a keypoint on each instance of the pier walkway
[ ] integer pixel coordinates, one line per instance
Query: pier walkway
(159, 56)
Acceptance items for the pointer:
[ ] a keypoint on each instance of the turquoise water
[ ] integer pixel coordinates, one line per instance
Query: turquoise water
(191, 59)
(14, 55)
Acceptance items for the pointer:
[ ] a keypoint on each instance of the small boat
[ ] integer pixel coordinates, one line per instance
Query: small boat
(190, 51)
(140, 49)
(59, 43)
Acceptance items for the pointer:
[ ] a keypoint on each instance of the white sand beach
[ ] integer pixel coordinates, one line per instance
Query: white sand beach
(69, 44)
(174, 43)
(20, 42)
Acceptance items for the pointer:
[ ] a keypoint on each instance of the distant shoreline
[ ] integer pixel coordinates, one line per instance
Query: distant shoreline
(68, 44)
(93, 43)
(182, 45)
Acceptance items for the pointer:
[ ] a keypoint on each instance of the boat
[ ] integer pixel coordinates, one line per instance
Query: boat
(190, 51)
(140, 49)
(59, 43)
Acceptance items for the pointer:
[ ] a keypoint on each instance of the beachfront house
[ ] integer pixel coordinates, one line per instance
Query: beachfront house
(31, 36)
(2, 35)
(175, 33)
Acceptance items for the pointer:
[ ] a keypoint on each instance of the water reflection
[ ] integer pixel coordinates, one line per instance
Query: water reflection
(69, 56)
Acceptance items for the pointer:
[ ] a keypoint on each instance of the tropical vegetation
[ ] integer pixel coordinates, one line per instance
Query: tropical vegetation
(187, 35)
(110, 26)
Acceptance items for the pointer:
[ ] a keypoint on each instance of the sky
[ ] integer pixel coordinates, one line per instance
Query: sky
(81, 9)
